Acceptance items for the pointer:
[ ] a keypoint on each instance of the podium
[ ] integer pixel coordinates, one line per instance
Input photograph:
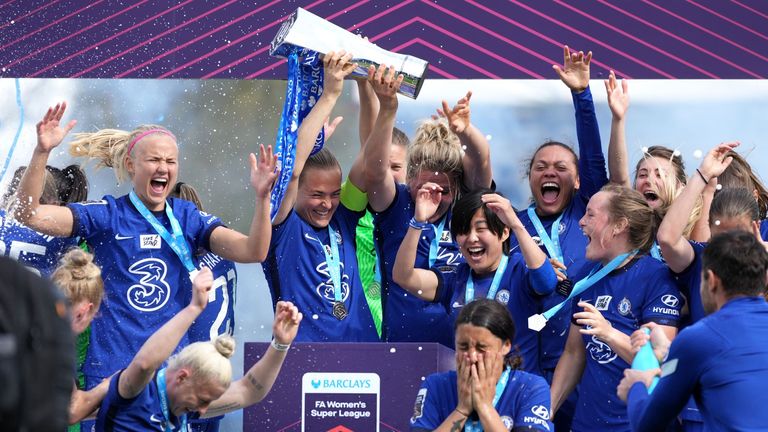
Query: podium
(344, 387)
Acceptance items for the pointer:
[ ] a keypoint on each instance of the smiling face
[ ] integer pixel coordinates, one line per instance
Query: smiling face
(654, 175)
(472, 340)
(442, 180)
(318, 195)
(153, 167)
(481, 247)
(553, 178)
(598, 227)
(189, 395)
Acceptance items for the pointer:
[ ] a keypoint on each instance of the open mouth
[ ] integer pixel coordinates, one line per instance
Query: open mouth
(650, 196)
(550, 191)
(475, 252)
(158, 185)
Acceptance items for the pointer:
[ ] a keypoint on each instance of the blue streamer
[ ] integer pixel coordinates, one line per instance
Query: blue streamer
(18, 131)
(305, 85)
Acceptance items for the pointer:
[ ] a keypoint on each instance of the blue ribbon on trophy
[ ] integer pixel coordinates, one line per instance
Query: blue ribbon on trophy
(305, 85)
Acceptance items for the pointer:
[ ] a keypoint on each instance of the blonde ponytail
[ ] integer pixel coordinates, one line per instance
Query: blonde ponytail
(109, 147)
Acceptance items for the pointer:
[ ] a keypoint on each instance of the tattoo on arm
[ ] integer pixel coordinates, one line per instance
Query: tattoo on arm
(255, 383)
(457, 425)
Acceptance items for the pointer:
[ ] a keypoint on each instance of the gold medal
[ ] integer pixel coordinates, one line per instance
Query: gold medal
(339, 311)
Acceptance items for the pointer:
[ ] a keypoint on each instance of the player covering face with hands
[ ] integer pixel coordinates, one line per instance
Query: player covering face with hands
(486, 392)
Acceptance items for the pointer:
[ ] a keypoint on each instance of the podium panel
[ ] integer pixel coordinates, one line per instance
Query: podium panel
(343, 387)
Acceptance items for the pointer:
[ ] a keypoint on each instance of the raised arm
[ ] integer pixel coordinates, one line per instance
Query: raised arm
(379, 182)
(336, 67)
(476, 161)
(369, 109)
(419, 282)
(161, 344)
(257, 382)
(235, 246)
(47, 219)
(700, 232)
(569, 368)
(675, 249)
(575, 75)
(544, 280)
(618, 101)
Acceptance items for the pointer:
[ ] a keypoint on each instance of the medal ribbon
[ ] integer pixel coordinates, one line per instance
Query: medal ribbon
(469, 292)
(594, 276)
(433, 247)
(176, 241)
(333, 262)
(656, 251)
(551, 242)
(164, 402)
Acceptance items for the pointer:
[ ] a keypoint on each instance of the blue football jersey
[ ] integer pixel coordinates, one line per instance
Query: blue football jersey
(219, 316)
(640, 292)
(592, 176)
(689, 283)
(525, 403)
(406, 318)
(145, 283)
(721, 361)
(38, 252)
(141, 413)
(516, 291)
(296, 270)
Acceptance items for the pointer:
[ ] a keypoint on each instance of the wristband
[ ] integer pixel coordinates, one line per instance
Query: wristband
(413, 223)
(706, 182)
(457, 410)
(279, 347)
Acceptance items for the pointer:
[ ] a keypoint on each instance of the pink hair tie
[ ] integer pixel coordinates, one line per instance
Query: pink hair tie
(145, 133)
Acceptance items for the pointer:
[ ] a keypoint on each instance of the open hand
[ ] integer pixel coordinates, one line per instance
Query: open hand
(428, 199)
(286, 325)
(575, 70)
(50, 133)
(459, 116)
(264, 171)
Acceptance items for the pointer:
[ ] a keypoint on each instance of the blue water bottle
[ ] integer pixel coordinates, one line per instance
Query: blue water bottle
(646, 360)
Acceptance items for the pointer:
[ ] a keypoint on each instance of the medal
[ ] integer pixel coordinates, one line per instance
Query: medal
(564, 287)
(339, 311)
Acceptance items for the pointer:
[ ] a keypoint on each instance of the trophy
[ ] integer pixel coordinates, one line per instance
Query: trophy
(306, 30)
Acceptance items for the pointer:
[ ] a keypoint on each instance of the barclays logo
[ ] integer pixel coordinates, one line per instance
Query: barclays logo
(670, 300)
(316, 383)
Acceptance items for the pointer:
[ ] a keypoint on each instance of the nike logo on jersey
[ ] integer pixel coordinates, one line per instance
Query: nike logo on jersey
(155, 419)
(457, 305)
(121, 237)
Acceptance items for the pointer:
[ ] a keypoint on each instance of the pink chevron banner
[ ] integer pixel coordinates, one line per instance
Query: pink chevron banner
(707, 39)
